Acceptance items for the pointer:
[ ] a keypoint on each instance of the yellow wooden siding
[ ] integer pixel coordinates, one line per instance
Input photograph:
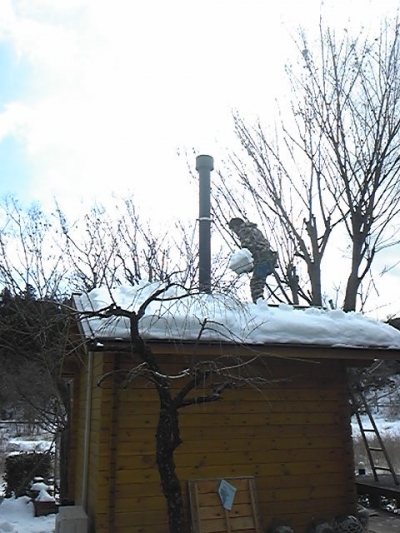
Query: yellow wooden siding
(100, 501)
(293, 437)
(98, 489)
(74, 448)
(81, 382)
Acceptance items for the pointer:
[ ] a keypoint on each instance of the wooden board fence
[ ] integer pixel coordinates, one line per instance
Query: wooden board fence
(209, 515)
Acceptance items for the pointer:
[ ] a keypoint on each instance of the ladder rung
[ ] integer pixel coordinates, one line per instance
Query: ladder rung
(358, 401)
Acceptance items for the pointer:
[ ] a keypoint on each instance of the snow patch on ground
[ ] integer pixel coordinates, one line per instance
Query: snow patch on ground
(18, 516)
(18, 445)
(385, 427)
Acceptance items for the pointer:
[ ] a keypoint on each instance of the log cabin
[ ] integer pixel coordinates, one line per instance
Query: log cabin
(289, 432)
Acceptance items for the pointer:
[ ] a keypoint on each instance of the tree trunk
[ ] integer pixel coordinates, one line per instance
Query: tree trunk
(314, 272)
(350, 298)
(167, 441)
(353, 281)
(167, 435)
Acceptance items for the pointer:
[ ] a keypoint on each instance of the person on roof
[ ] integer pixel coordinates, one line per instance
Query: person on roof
(264, 258)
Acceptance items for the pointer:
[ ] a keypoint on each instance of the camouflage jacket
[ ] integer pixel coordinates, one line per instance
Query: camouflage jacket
(253, 239)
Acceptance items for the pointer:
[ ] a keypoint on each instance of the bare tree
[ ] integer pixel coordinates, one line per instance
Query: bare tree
(333, 162)
(203, 381)
(32, 334)
(111, 245)
(29, 251)
(354, 89)
(33, 324)
(288, 199)
(43, 257)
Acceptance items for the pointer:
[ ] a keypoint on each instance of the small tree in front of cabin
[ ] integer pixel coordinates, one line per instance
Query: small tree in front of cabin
(231, 372)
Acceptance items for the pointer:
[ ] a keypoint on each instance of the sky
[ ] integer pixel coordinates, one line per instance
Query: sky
(100, 98)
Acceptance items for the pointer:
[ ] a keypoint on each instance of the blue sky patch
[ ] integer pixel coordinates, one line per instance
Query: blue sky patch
(14, 74)
(14, 171)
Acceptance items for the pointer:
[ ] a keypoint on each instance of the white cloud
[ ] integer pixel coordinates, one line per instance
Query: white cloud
(120, 91)
(118, 87)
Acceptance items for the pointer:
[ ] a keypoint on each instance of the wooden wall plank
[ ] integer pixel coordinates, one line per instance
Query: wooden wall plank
(294, 438)
(208, 514)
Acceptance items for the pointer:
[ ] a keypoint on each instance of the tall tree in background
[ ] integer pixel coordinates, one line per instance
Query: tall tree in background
(32, 321)
(30, 255)
(354, 89)
(334, 161)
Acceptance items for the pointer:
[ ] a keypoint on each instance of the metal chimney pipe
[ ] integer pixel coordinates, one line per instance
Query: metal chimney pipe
(204, 166)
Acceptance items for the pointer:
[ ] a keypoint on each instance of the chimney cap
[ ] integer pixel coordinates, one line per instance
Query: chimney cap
(204, 161)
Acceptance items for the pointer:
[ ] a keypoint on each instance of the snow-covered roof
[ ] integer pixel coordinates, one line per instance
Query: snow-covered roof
(220, 318)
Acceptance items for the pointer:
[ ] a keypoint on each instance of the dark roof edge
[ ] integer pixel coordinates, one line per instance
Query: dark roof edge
(104, 344)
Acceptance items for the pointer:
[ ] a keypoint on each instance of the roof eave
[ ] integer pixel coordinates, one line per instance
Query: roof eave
(306, 351)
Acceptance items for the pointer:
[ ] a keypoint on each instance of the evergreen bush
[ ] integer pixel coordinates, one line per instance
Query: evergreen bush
(21, 468)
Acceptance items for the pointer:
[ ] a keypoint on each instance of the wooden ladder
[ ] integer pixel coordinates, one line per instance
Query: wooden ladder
(359, 402)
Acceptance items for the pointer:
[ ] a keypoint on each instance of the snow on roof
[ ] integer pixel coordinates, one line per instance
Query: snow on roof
(177, 316)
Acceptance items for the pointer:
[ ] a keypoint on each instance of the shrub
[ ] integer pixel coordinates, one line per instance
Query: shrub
(21, 468)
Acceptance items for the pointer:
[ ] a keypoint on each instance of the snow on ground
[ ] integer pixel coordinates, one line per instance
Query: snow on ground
(20, 446)
(18, 516)
(387, 428)
(384, 405)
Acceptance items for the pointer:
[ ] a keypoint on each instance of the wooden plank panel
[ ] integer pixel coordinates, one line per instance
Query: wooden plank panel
(240, 406)
(212, 499)
(136, 489)
(254, 427)
(324, 385)
(142, 518)
(282, 508)
(285, 469)
(137, 399)
(209, 511)
(233, 420)
(212, 517)
(232, 445)
(161, 528)
(269, 432)
(270, 354)
(321, 385)
(219, 525)
(247, 457)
